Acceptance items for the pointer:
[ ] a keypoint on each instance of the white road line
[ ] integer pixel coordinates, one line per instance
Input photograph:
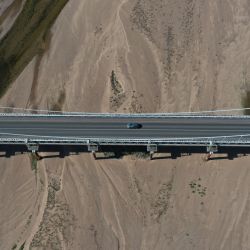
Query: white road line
(127, 130)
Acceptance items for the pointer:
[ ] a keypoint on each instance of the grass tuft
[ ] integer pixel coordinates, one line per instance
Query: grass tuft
(33, 160)
(22, 246)
(14, 247)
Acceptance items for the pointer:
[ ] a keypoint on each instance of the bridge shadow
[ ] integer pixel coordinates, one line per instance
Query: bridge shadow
(118, 152)
(59, 155)
(161, 157)
(108, 155)
(106, 158)
(219, 158)
(51, 156)
(228, 157)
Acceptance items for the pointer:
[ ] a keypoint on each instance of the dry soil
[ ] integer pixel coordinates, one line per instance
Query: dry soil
(175, 55)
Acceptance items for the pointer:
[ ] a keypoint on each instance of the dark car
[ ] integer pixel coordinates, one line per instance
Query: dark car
(134, 125)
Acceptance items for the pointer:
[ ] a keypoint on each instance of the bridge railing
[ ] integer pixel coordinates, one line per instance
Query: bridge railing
(223, 113)
(117, 116)
(50, 140)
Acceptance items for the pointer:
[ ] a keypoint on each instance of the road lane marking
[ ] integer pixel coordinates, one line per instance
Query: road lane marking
(130, 131)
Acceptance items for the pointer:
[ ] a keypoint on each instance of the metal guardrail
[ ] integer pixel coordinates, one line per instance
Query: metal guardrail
(123, 115)
(45, 140)
(44, 111)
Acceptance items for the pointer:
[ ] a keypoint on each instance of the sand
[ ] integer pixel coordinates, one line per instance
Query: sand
(176, 55)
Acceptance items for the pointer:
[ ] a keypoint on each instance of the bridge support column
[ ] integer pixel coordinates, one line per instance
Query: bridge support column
(152, 148)
(211, 149)
(33, 147)
(9, 152)
(64, 152)
(34, 150)
(93, 148)
(231, 156)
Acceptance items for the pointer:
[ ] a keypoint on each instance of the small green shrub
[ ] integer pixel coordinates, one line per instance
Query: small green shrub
(14, 247)
(22, 246)
(33, 160)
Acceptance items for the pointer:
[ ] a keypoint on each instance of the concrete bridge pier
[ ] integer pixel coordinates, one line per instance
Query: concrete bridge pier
(93, 148)
(232, 155)
(152, 148)
(175, 154)
(9, 152)
(211, 149)
(64, 152)
(34, 151)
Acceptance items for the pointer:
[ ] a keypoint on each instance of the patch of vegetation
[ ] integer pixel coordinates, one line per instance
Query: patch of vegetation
(22, 246)
(170, 53)
(33, 159)
(54, 186)
(246, 102)
(136, 106)
(51, 198)
(137, 185)
(187, 23)
(142, 19)
(55, 183)
(109, 154)
(118, 96)
(14, 247)
(196, 187)
(121, 154)
(26, 37)
(161, 203)
(60, 101)
(29, 220)
(57, 220)
(140, 155)
(115, 85)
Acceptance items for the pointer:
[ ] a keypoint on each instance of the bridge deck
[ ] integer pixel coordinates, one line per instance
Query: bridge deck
(77, 127)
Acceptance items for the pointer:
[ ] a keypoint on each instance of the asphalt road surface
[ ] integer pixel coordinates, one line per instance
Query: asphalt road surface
(117, 127)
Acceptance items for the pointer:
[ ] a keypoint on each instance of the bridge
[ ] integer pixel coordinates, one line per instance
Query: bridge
(174, 133)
